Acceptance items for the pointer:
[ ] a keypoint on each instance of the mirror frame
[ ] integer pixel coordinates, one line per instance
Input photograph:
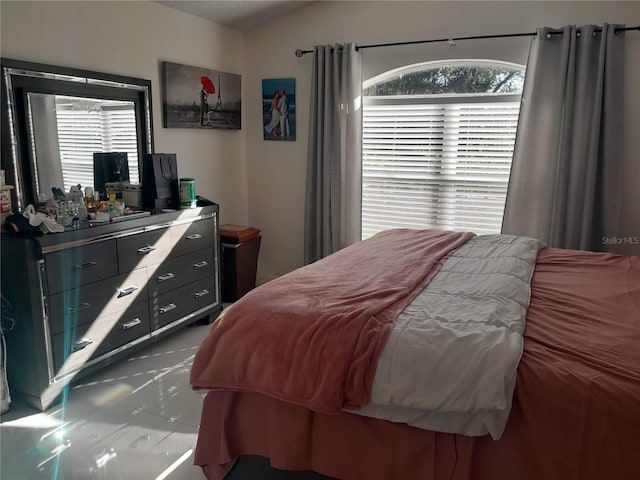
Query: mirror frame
(20, 78)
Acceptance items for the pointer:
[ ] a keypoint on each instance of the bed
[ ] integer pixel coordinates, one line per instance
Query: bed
(572, 406)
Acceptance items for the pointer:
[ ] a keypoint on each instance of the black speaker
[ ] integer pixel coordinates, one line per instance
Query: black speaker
(160, 188)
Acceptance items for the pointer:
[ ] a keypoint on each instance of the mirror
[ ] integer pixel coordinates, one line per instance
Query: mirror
(66, 131)
(55, 119)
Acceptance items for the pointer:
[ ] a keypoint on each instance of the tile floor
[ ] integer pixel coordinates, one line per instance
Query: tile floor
(134, 420)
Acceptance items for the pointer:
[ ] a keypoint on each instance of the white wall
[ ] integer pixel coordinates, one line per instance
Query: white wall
(263, 183)
(277, 170)
(132, 39)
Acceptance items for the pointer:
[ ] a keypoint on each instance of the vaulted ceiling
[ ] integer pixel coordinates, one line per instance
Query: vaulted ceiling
(241, 15)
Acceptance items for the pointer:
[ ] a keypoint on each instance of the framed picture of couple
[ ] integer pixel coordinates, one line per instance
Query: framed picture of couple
(279, 109)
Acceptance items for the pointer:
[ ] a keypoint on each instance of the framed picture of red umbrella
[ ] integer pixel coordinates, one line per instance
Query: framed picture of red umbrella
(195, 97)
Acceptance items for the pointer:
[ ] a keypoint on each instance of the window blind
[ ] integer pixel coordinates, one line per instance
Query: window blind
(436, 165)
(81, 132)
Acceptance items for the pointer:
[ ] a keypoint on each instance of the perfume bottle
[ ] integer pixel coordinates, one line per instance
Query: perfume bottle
(102, 211)
(90, 200)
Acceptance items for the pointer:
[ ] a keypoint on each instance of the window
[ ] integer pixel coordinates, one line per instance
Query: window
(437, 146)
(88, 125)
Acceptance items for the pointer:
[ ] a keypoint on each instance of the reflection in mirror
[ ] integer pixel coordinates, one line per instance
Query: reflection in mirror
(54, 119)
(66, 131)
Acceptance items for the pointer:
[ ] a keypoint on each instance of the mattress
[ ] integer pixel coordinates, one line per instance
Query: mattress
(574, 414)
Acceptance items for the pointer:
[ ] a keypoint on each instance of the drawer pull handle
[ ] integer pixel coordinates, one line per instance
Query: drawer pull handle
(86, 265)
(79, 307)
(165, 277)
(123, 292)
(81, 344)
(168, 308)
(146, 250)
(200, 265)
(133, 323)
(201, 293)
(194, 236)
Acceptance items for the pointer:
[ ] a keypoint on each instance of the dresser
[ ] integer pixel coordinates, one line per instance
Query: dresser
(86, 298)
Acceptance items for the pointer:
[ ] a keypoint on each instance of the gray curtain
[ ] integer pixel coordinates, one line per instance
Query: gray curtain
(334, 163)
(565, 178)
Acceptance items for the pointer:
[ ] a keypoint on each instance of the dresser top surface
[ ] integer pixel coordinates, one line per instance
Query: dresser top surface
(69, 237)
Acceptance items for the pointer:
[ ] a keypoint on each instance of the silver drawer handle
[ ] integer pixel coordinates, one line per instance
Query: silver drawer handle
(86, 265)
(165, 277)
(79, 307)
(123, 292)
(145, 250)
(81, 344)
(133, 323)
(194, 236)
(201, 293)
(168, 308)
(200, 264)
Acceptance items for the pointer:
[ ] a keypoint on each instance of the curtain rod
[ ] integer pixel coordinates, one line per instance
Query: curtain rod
(299, 52)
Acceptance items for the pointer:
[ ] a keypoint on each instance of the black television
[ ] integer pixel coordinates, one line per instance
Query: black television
(109, 167)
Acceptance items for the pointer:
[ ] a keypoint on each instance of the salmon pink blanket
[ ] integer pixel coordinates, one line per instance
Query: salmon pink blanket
(575, 416)
(313, 337)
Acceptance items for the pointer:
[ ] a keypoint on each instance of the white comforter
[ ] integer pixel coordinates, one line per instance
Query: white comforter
(450, 362)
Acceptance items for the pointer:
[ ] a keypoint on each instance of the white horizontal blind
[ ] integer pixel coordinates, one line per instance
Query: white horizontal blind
(436, 165)
(81, 132)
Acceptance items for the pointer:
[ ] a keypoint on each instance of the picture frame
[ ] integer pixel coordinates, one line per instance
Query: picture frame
(195, 97)
(279, 109)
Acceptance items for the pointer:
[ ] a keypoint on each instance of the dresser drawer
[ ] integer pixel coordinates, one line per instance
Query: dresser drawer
(171, 306)
(179, 271)
(127, 326)
(201, 293)
(73, 348)
(193, 236)
(142, 249)
(73, 267)
(85, 304)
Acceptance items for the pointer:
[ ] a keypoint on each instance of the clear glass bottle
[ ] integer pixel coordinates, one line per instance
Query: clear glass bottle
(61, 214)
(90, 200)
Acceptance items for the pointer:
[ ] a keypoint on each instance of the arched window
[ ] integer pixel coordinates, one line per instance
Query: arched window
(437, 145)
